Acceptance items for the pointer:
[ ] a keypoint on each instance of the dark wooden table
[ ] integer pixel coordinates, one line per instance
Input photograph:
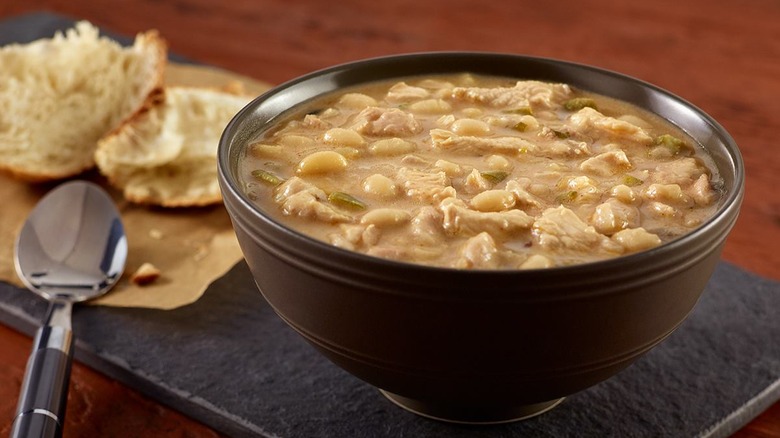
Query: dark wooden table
(722, 56)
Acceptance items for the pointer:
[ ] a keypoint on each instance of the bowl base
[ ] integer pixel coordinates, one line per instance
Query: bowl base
(462, 414)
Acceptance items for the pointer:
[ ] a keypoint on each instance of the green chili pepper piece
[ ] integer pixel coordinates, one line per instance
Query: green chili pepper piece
(631, 181)
(671, 142)
(520, 127)
(494, 176)
(579, 103)
(267, 177)
(347, 201)
(523, 110)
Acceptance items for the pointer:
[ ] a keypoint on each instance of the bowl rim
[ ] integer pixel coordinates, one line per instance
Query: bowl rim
(729, 204)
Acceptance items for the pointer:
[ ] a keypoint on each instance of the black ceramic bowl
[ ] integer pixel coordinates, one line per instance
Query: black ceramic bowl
(477, 346)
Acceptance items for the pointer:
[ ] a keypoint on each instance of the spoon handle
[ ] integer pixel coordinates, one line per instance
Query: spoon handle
(41, 409)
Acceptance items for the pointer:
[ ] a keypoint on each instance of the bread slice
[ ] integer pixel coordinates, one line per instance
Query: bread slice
(60, 95)
(168, 155)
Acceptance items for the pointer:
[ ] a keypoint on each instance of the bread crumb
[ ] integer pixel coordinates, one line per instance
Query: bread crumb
(201, 252)
(235, 87)
(145, 274)
(156, 234)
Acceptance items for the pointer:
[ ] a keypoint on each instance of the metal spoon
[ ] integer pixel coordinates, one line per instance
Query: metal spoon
(71, 248)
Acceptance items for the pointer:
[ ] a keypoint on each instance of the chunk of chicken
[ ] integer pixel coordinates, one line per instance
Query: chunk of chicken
(702, 191)
(353, 236)
(613, 216)
(449, 141)
(552, 144)
(537, 261)
(426, 226)
(461, 220)
(560, 229)
(386, 122)
(475, 182)
(313, 121)
(479, 252)
(427, 186)
(300, 198)
(524, 199)
(404, 93)
(683, 171)
(589, 120)
(523, 94)
(607, 164)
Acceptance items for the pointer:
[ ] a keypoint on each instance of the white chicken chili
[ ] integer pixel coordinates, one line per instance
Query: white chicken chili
(478, 172)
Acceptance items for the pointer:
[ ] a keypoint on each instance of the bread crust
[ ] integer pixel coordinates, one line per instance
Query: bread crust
(139, 158)
(154, 50)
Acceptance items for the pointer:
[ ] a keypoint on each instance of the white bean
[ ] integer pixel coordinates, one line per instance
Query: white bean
(431, 106)
(470, 127)
(539, 189)
(493, 200)
(391, 146)
(530, 122)
(380, 186)
(624, 194)
(294, 141)
(636, 239)
(450, 168)
(586, 189)
(659, 209)
(498, 162)
(322, 162)
(357, 100)
(343, 137)
(667, 193)
(386, 217)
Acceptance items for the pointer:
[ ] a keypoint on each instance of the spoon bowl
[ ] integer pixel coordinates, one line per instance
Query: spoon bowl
(72, 248)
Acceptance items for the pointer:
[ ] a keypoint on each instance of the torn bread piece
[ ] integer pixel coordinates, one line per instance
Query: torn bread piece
(167, 155)
(60, 95)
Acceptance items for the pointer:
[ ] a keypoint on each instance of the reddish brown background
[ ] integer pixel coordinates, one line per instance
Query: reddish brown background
(722, 56)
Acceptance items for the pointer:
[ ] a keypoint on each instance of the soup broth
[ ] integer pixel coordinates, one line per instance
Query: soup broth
(476, 172)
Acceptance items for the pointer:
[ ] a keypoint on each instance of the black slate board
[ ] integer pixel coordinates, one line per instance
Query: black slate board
(229, 361)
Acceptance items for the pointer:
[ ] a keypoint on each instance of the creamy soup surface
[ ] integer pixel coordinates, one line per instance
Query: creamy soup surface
(476, 172)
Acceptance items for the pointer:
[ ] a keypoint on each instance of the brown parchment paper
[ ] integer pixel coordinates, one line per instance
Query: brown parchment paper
(192, 247)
